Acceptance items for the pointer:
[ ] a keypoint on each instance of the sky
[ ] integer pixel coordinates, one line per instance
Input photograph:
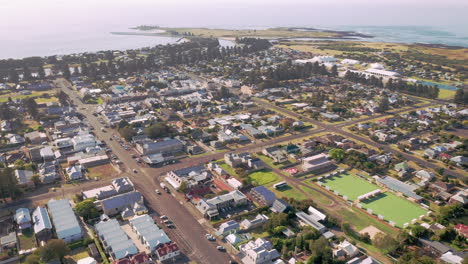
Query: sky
(248, 12)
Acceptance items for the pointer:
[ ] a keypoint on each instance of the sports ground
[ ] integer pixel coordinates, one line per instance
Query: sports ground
(393, 208)
(349, 185)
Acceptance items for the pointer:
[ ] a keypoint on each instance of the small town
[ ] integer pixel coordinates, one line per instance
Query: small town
(255, 153)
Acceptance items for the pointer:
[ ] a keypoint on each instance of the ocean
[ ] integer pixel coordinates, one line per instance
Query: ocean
(53, 27)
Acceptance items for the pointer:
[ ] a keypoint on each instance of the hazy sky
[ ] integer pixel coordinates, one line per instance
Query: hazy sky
(247, 12)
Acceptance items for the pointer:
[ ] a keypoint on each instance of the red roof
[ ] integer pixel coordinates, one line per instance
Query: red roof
(140, 258)
(445, 155)
(167, 248)
(222, 185)
(462, 229)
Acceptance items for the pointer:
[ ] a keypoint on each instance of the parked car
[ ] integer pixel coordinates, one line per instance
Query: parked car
(221, 248)
(157, 191)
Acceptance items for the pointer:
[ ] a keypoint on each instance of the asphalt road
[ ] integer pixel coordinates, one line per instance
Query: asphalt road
(189, 234)
(366, 140)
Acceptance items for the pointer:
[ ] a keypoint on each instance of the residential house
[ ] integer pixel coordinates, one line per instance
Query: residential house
(345, 249)
(42, 224)
(36, 137)
(116, 204)
(461, 197)
(259, 220)
(259, 251)
(23, 218)
(243, 159)
(167, 251)
(280, 206)
(25, 178)
(149, 234)
(263, 195)
(276, 154)
(74, 172)
(228, 227)
(194, 177)
(460, 160)
(442, 186)
(210, 208)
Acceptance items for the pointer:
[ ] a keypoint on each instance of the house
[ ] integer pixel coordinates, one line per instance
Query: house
(122, 185)
(94, 161)
(82, 141)
(169, 146)
(194, 177)
(13, 139)
(310, 220)
(460, 197)
(431, 153)
(276, 154)
(74, 172)
(381, 159)
(210, 208)
(280, 206)
(435, 247)
(23, 218)
(362, 260)
(243, 159)
(345, 249)
(316, 163)
(228, 227)
(25, 178)
(41, 224)
(64, 219)
(260, 251)
(442, 186)
(259, 220)
(114, 239)
(425, 175)
(116, 204)
(36, 137)
(462, 230)
(149, 234)
(48, 172)
(460, 160)
(263, 195)
(451, 258)
(167, 251)
(47, 154)
(9, 241)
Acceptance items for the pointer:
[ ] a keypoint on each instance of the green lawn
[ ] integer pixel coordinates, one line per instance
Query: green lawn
(27, 240)
(290, 192)
(263, 177)
(349, 185)
(227, 168)
(443, 94)
(394, 208)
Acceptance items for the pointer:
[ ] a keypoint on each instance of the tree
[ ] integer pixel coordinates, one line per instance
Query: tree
(55, 248)
(334, 71)
(127, 132)
(32, 259)
(41, 72)
(321, 252)
(383, 104)
(87, 209)
(459, 96)
(31, 106)
(337, 154)
(183, 187)
(385, 242)
(157, 130)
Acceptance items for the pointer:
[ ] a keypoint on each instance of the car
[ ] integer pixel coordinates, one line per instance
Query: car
(221, 248)
(138, 160)
(170, 226)
(133, 156)
(167, 221)
(135, 171)
(163, 217)
(126, 148)
(211, 238)
(157, 191)
(232, 262)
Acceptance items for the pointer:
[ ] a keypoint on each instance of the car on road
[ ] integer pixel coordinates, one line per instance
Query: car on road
(221, 248)
(133, 156)
(167, 221)
(126, 148)
(138, 160)
(157, 191)
(210, 237)
(163, 217)
(135, 171)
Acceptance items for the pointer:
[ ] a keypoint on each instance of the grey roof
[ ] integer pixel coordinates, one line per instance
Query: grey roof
(149, 231)
(64, 219)
(41, 219)
(398, 186)
(122, 200)
(115, 239)
(122, 185)
(265, 193)
(279, 206)
(185, 171)
(22, 216)
(8, 239)
(310, 221)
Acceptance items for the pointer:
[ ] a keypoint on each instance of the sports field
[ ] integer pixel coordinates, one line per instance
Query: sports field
(263, 177)
(394, 208)
(349, 185)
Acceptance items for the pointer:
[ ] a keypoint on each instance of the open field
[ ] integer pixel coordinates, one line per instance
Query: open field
(263, 177)
(289, 192)
(101, 172)
(349, 185)
(394, 208)
(263, 33)
(14, 95)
